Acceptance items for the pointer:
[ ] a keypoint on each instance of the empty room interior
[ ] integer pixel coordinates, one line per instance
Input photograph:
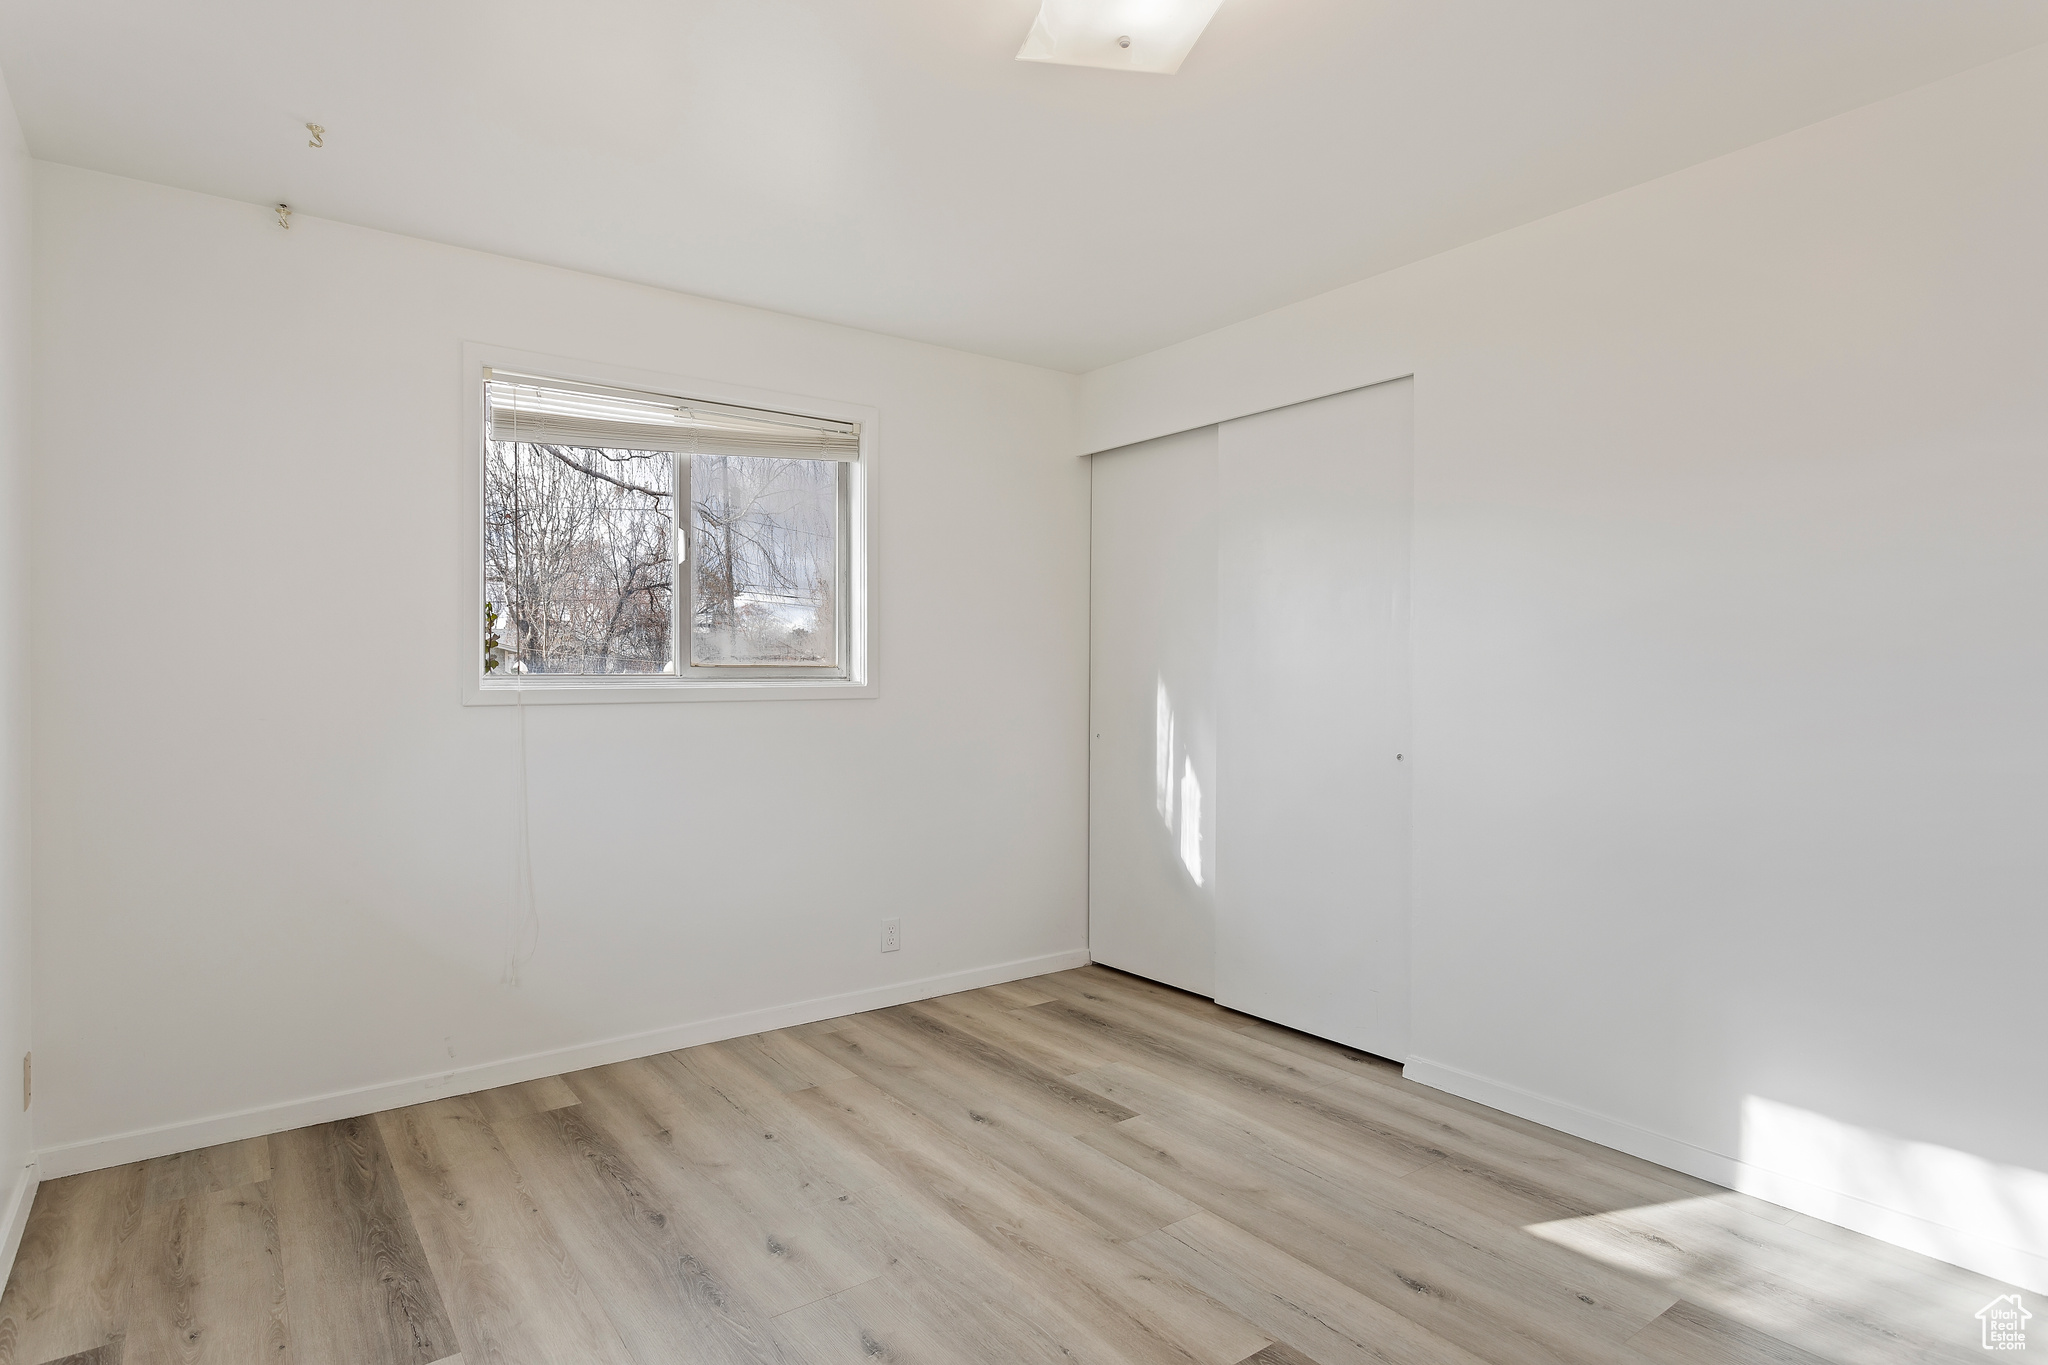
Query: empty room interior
(1031, 682)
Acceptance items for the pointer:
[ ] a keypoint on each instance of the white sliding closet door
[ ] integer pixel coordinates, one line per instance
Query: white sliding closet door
(1311, 705)
(1152, 756)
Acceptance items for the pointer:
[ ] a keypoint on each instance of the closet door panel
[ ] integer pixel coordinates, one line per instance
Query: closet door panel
(1311, 707)
(1152, 756)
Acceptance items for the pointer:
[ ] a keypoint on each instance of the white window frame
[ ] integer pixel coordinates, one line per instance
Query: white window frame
(556, 690)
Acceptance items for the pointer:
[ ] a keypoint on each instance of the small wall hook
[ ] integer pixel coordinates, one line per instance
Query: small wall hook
(284, 216)
(319, 135)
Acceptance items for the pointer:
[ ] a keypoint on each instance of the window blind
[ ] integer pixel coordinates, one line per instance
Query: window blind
(555, 412)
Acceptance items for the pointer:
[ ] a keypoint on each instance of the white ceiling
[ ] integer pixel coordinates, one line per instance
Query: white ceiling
(887, 163)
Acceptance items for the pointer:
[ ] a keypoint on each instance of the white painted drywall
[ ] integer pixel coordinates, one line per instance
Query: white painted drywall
(1312, 716)
(1731, 661)
(273, 845)
(1152, 665)
(17, 1176)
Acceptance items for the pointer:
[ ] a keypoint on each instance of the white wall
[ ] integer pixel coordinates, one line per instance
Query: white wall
(273, 846)
(1731, 655)
(17, 1180)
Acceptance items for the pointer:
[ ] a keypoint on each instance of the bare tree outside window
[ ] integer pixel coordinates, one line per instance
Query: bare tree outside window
(577, 549)
(766, 535)
(627, 533)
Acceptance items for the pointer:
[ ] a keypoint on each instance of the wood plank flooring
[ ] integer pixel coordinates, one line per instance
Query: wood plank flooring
(1085, 1167)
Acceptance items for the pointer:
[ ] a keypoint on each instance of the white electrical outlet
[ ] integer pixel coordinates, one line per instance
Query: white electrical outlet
(892, 935)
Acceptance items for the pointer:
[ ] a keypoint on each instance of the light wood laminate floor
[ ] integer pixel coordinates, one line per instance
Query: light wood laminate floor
(1085, 1167)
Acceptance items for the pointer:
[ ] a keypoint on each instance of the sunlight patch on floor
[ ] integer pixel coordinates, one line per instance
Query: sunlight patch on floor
(1817, 1287)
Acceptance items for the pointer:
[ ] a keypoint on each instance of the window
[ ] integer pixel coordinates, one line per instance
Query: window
(640, 540)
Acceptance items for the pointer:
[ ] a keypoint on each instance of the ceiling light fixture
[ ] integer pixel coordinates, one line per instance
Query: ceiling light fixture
(1122, 35)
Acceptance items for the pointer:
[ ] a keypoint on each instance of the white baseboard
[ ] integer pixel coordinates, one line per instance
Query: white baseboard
(92, 1154)
(2020, 1266)
(1619, 1134)
(18, 1205)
